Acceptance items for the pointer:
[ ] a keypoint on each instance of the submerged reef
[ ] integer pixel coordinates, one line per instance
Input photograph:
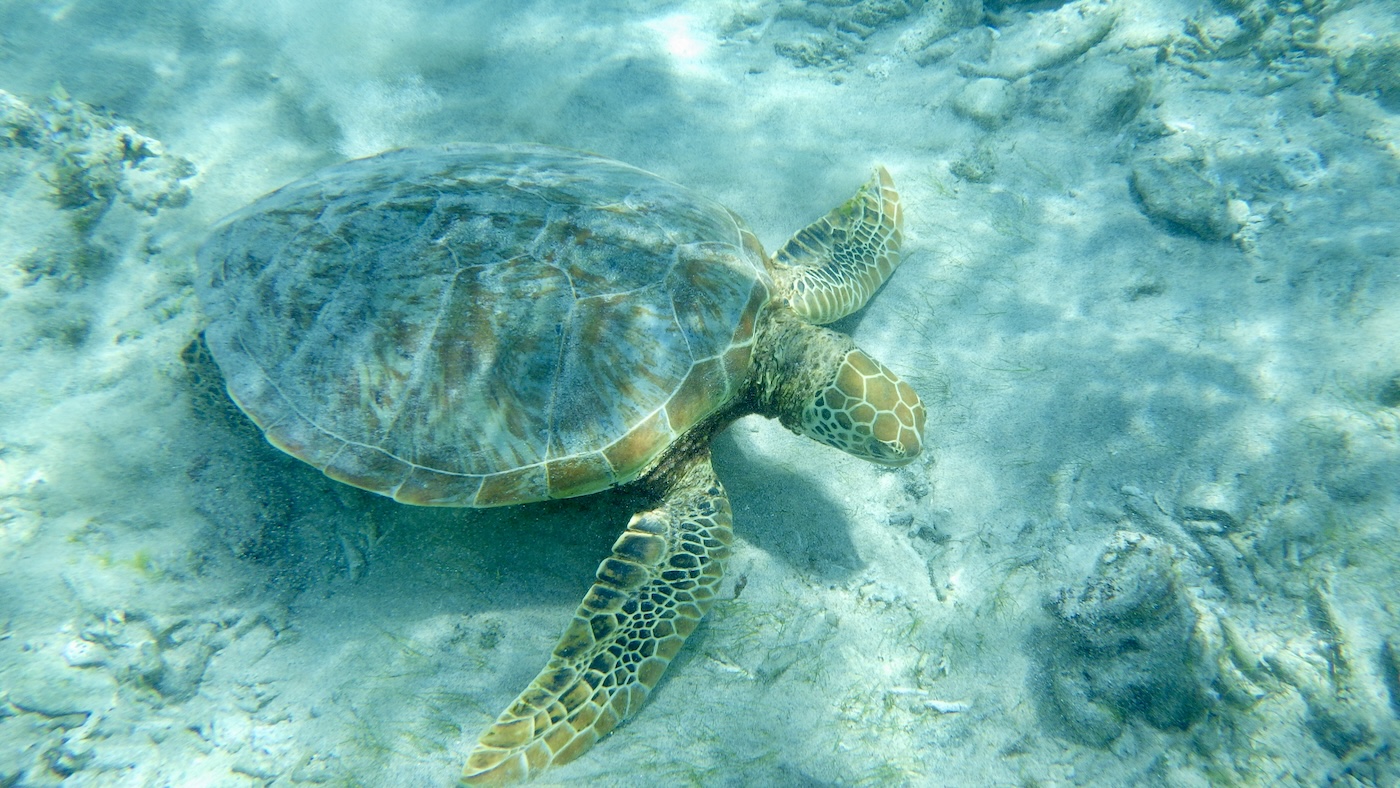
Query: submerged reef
(68, 165)
(832, 34)
(1126, 645)
(92, 159)
(1177, 629)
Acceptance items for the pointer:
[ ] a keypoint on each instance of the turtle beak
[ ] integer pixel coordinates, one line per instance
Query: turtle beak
(889, 455)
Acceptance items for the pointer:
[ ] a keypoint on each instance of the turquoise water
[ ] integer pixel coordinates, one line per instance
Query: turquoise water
(1149, 296)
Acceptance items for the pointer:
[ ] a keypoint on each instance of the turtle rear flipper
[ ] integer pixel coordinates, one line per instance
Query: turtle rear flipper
(649, 595)
(831, 267)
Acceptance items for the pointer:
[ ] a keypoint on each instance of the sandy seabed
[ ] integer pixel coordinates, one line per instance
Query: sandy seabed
(1151, 296)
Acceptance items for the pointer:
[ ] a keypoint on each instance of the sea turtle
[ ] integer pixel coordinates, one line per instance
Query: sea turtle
(484, 325)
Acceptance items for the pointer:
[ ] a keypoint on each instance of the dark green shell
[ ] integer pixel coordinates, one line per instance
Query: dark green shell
(475, 325)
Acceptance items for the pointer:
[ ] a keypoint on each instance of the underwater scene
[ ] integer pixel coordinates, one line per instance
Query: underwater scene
(733, 393)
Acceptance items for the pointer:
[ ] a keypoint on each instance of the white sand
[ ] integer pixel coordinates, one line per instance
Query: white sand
(180, 604)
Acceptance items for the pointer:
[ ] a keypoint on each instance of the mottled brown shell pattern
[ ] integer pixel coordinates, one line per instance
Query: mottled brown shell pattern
(479, 325)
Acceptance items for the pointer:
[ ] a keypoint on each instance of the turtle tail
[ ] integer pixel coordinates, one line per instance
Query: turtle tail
(649, 595)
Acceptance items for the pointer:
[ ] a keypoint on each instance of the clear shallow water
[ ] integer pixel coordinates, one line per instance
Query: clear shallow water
(1149, 295)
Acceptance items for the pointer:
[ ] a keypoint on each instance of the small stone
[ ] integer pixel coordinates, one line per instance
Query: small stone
(1389, 395)
(55, 691)
(977, 167)
(1364, 41)
(1300, 167)
(1105, 94)
(1213, 502)
(988, 101)
(1238, 211)
(926, 532)
(81, 653)
(1047, 39)
(316, 770)
(948, 706)
(1124, 645)
(19, 124)
(937, 20)
(1184, 193)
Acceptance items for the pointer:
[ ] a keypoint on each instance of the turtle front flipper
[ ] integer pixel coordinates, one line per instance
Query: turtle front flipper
(649, 595)
(831, 267)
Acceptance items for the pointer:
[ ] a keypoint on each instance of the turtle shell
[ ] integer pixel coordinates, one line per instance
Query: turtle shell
(478, 325)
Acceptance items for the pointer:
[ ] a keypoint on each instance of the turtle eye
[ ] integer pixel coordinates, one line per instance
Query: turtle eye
(867, 411)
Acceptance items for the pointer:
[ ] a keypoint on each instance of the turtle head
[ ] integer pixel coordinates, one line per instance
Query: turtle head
(819, 384)
(866, 410)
